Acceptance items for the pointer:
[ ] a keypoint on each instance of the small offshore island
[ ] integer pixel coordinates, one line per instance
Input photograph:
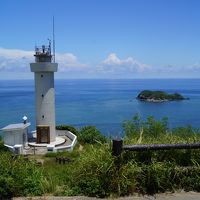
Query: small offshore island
(159, 96)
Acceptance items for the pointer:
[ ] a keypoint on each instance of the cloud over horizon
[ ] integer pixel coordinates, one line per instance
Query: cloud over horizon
(16, 60)
(128, 64)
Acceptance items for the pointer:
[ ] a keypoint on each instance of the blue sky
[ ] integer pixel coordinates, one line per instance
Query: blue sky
(103, 38)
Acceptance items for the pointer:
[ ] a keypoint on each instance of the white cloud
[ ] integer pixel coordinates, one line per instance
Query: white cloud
(194, 67)
(112, 59)
(69, 62)
(15, 53)
(179, 71)
(129, 66)
(16, 60)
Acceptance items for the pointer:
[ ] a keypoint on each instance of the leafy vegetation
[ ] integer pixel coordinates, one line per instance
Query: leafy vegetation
(93, 171)
(150, 128)
(19, 177)
(87, 134)
(2, 147)
(68, 128)
(148, 95)
(90, 135)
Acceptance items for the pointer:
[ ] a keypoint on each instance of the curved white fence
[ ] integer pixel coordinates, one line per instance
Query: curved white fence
(69, 147)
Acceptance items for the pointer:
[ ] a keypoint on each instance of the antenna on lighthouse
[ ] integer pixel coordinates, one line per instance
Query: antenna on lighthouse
(54, 56)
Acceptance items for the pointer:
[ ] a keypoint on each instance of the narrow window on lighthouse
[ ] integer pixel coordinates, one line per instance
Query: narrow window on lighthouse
(42, 95)
(41, 75)
(43, 116)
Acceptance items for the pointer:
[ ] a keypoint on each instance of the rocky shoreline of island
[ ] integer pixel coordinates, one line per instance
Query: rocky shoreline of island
(159, 96)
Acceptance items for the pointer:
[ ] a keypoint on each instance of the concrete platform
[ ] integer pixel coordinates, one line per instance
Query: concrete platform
(65, 141)
(58, 141)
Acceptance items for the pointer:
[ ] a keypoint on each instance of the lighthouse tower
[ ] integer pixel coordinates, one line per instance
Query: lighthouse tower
(44, 69)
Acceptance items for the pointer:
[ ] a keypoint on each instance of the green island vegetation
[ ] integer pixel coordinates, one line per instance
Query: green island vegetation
(159, 96)
(91, 169)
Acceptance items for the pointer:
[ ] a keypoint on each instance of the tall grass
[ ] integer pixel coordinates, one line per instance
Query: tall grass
(19, 177)
(95, 172)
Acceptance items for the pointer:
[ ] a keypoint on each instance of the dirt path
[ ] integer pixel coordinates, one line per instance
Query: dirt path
(166, 196)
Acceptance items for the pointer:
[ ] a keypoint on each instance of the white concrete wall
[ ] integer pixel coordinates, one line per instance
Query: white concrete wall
(8, 138)
(69, 147)
(13, 137)
(45, 95)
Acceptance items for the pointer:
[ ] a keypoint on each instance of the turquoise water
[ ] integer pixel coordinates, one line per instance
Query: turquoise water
(103, 103)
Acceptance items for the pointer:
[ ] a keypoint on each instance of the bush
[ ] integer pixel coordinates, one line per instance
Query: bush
(185, 132)
(89, 173)
(132, 127)
(2, 147)
(149, 128)
(155, 129)
(96, 173)
(89, 134)
(68, 128)
(19, 177)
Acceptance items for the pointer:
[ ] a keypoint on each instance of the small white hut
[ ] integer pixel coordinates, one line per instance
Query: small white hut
(15, 136)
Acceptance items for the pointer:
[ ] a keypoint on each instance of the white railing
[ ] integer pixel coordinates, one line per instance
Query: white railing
(69, 147)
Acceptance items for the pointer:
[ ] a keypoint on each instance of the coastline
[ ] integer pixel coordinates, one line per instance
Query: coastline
(153, 100)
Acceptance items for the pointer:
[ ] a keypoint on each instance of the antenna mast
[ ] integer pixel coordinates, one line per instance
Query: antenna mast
(54, 56)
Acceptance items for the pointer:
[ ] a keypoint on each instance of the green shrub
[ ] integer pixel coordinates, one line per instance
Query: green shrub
(19, 177)
(149, 128)
(185, 132)
(93, 171)
(156, 177)
(155, 129)
(68, 128)
(132, 127)
(2, 147)
(89, 134)
(96, 173)
(89, 173)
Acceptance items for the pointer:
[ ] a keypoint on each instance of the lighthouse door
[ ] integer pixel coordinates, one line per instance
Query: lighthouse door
(43, 135)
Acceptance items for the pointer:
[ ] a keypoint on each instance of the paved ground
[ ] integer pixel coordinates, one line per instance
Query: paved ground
(166, 196)
(40, 150)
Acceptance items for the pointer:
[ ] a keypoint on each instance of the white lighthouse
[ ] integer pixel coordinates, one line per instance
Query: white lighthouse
(44, 69)
(48, 139)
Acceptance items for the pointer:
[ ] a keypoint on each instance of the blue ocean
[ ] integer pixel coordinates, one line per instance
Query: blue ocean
(103, 103)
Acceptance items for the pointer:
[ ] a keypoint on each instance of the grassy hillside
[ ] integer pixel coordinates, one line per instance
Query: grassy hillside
(91, 169)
